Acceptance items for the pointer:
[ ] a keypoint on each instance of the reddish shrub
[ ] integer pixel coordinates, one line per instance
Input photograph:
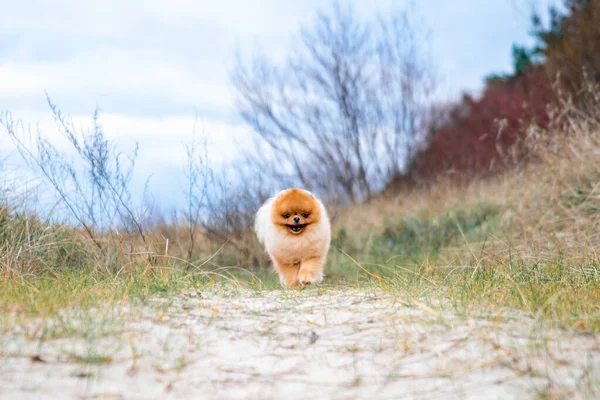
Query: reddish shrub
(480, 135)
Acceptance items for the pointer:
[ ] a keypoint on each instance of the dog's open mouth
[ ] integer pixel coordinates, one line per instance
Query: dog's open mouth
(296, 228)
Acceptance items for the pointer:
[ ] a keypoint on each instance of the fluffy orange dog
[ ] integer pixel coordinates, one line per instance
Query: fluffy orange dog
(294, 227)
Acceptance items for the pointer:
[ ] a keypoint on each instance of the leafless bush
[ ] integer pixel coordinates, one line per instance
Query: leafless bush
(346, 112)
(94, 188)
(198, 177)
(235, 197)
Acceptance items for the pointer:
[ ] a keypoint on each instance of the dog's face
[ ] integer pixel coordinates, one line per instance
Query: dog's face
(295, 212)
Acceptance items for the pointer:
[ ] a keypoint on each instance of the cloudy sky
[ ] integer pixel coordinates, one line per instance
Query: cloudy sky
(152, 66)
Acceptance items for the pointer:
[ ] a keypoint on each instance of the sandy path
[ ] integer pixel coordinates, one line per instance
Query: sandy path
(315, 344)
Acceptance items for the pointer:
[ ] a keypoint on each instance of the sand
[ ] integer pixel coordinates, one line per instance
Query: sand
(311, 344)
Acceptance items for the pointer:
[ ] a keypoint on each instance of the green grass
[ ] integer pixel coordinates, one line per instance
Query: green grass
(443, 259)
(439, 259)
(410, 242)
(50, 292)
(91, 358)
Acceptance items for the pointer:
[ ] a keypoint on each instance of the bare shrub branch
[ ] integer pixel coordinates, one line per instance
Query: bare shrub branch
(94, 187)
(235, 196)
(346, 111)
(198, 177)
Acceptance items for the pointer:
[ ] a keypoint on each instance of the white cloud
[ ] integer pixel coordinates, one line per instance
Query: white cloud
(165, 137)
(161, 140)
(112, 71)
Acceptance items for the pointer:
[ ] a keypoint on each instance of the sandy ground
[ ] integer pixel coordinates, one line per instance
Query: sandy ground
(313, 344)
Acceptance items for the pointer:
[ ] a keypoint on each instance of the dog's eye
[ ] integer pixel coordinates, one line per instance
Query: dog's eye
(286, 216)
(304, 215)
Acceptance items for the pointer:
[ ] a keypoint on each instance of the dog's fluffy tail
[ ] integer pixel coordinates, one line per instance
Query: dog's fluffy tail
(263, 219)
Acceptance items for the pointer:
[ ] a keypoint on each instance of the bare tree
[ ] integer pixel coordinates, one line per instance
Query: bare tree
(345, 113)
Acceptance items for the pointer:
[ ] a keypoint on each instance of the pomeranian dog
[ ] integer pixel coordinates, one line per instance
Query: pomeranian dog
(294, 228)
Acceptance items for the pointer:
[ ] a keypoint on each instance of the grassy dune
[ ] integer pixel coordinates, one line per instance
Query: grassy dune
(525, 240)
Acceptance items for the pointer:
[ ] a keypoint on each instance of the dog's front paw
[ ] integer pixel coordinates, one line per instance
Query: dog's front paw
(307, 277)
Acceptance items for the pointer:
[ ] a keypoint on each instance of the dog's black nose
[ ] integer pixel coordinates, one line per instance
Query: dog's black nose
(296, 220)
